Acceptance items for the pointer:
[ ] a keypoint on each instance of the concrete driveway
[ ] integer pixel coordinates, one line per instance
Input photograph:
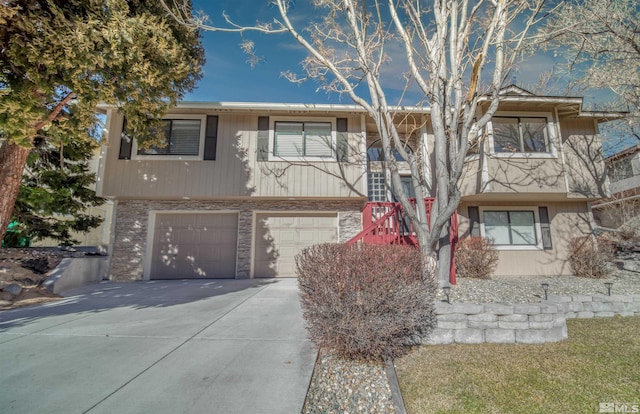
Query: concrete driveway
(231, 346)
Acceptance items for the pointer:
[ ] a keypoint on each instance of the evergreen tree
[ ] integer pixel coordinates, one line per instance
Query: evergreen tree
(56, 193)
(60, 58)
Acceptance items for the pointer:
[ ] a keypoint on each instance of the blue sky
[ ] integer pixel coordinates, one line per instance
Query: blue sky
(227, 74)
(229, 77)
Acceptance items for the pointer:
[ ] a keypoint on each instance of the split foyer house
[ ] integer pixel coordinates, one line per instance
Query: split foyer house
(241, 188)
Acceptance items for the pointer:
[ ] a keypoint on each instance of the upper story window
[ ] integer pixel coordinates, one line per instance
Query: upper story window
(303, 139)
(182, 137)
(620, 170)
(313, 139)
(375, 152)
(187, 136)
(520, 135)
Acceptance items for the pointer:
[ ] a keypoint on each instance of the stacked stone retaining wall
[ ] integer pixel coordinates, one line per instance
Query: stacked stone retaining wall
(528, 323)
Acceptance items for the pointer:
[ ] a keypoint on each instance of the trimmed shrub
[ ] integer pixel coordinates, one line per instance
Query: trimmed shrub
(365, 302)
(476, 257)
(589, 257)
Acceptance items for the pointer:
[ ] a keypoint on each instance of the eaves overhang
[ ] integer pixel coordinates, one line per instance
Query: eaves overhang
(276, 107)
(603, 116)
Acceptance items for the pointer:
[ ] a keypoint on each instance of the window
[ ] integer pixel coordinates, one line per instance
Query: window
(620, 170)
(407, 186)
(520, 135)
(182, 137)
(303, 139)
(375, 152)
(510, 228)
(377, 186)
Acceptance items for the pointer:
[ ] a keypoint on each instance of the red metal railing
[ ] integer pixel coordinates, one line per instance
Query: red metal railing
(386, 223)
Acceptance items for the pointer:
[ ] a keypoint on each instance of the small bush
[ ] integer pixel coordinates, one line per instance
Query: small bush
(476, 257)
(589, 258)
(365, 302)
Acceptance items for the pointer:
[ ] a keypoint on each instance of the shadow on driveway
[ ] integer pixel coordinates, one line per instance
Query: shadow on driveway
(132, 295)
(185, 346)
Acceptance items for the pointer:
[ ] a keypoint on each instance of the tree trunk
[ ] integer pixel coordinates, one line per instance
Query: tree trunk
(429, 264)
(13, 158)
(444, 258)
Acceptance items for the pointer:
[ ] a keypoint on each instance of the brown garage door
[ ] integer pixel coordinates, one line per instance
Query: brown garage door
(194, 246)
(279, 237)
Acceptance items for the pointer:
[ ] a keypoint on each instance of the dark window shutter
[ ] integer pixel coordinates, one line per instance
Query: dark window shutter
(545, 227)
(126, 142)
(342, 149)
(211, 138)
(474, 221)
(263, 138)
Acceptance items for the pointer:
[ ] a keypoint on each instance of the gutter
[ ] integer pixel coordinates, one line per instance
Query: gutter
(275, 106)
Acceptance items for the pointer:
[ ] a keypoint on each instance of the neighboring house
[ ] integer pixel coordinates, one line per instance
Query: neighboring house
(241, 188)
(623, 170)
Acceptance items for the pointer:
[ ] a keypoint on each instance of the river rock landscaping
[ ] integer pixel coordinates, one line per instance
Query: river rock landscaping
(340, 386)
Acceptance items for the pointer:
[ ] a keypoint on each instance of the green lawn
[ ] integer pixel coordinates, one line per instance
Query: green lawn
(599, 363)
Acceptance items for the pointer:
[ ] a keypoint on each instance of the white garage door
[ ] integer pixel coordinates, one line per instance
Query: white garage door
(201, 246)
(279, 237)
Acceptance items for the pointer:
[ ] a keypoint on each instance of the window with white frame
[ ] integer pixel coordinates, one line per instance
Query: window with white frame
(514, 134)
(511, 227)
(182, 138)
(303, 139)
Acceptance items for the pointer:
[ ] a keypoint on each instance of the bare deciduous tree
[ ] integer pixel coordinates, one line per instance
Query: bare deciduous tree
(456, 53)
(601, 42)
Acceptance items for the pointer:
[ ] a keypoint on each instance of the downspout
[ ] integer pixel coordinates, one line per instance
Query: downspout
(561, 147)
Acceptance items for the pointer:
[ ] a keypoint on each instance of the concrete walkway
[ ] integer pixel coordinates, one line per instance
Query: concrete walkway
(232, 346)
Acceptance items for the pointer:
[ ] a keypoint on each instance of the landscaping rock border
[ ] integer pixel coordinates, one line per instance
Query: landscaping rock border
(469, 323)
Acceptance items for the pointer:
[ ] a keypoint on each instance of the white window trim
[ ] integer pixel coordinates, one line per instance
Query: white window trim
(536, 218)
(272, 138)
(203, 131)
(551, 134)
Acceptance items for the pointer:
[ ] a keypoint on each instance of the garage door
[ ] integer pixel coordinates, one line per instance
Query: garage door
(279, 237)
(201, 246)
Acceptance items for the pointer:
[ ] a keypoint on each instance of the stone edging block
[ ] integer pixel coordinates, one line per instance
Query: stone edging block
(530, 323)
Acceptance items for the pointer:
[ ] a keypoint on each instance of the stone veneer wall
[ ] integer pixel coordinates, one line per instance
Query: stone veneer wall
(132, 216)
(531, 323)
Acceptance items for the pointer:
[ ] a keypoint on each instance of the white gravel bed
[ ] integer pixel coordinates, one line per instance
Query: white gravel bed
(528, 289)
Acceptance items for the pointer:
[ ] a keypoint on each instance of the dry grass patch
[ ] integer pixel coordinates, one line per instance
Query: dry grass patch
(598, 363)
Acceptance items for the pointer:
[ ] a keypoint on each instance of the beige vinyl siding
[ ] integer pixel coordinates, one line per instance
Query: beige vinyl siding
(471, 179)
(526, 175)
(234, 173)
(583, 157)
(513, 175)
(568, 220)
(579, 175)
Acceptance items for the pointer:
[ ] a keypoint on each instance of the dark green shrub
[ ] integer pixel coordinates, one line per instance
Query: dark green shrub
(365, 302)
